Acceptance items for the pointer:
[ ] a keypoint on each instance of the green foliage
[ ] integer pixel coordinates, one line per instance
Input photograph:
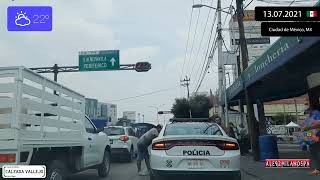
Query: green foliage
(199, 104)
(180, 108)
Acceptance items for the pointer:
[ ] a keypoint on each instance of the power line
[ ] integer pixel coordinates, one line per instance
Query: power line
(292, 2)
(185, 56)
(208, 49)
(248, 4)
(194, 37)
(145, 94)
(283, 2)
(225, 19)
(210, 59)
(205, 28)
(225, 46)
(206, 59)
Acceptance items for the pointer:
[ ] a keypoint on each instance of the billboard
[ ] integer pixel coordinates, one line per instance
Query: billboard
(248, 15)
(256, 44)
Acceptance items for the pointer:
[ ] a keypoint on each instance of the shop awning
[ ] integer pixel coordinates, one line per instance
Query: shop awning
(280, 72)
(292, 125)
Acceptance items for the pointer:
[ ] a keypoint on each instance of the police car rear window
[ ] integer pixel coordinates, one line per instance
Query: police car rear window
(192, 129)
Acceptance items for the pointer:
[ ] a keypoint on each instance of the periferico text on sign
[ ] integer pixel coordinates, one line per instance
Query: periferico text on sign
(24, 171)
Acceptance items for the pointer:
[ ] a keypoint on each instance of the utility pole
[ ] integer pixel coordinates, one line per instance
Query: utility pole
(185, 83)
(252, 123)
(220, 63)
(221, 69)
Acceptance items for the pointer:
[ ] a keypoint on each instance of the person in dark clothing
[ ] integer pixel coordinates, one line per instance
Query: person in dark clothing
(231, 131)
(143, 143)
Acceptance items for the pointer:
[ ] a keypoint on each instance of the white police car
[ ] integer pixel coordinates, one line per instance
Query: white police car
(188, 147)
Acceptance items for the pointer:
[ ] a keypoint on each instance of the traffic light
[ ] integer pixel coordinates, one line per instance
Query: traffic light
(142, 66)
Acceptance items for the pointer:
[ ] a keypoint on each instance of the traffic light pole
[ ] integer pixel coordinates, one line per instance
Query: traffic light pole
(57, 69)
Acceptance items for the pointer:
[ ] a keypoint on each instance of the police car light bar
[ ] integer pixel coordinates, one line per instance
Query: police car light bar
(189, 120)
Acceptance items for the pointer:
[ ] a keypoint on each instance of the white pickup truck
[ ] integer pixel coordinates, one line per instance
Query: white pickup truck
(43, 123)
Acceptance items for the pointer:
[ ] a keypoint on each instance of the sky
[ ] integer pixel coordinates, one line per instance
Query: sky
(143, 30)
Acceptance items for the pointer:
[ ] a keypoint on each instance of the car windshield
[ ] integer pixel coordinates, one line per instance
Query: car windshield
(192, 129)
(114, 131)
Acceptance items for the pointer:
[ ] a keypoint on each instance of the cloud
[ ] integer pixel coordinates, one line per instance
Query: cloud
(133, 55)
(22, 21)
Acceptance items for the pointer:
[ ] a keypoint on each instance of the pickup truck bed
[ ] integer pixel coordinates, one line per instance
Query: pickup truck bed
(28, 94)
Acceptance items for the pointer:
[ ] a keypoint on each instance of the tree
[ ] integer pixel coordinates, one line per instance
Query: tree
(199, 104)
(180, 108)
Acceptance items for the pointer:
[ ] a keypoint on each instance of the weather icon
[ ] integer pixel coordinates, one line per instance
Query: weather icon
(22, 19)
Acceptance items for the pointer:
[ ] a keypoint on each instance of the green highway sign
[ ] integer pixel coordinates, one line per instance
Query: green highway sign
(99, 60)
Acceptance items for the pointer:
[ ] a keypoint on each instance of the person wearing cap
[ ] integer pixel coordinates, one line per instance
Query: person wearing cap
(143, 143)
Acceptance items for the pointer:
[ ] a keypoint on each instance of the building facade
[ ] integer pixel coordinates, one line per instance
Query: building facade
(107, 111)
(256, 43)
(91, 107)
(130, 115)
(101, 111)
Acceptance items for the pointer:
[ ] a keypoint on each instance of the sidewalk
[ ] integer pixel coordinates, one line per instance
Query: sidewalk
(256, 170)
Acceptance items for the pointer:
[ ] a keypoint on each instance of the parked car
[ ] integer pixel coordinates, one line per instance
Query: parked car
(123, 142)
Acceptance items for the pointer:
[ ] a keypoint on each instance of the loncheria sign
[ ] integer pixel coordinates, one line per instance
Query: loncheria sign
(273, 53)
(278, 49)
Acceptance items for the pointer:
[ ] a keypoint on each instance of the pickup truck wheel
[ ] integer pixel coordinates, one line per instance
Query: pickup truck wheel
(104, 167)
(56, 170)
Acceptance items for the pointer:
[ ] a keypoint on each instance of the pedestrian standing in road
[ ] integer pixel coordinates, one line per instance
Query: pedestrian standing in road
(143, 143)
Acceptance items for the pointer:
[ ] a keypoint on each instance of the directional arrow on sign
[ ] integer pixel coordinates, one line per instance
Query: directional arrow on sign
(112, 61)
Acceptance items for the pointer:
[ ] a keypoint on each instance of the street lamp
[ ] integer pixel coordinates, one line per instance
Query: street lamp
(203, 5)
(157, 108)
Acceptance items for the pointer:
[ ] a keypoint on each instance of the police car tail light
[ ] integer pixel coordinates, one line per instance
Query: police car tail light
(124, 138)
(228, 146)
(160, 146)
(7, 158)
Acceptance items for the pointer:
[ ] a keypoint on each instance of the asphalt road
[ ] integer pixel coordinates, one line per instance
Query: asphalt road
(128, 171)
